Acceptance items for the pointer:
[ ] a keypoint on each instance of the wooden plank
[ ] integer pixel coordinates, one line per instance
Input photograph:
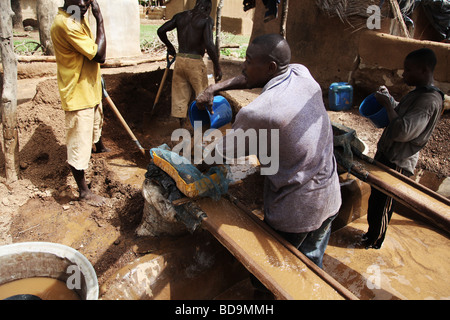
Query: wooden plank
(286, 276)
(427, 203)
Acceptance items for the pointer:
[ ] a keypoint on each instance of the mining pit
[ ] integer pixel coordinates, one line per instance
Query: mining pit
(43, 206)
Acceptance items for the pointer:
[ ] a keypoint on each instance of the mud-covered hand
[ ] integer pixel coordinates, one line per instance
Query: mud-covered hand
(206, 99)
(384, 97)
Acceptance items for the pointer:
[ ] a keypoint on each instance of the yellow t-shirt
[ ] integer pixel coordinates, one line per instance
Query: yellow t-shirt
(79, 78)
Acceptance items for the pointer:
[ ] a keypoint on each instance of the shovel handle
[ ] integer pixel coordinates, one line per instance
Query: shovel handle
(158, 94)
(121, 119)
(170, 62)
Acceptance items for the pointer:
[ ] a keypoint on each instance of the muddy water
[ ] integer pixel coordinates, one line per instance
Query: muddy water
(42, 287)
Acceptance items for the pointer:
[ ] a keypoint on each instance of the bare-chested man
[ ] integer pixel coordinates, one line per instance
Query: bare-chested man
(194, 30)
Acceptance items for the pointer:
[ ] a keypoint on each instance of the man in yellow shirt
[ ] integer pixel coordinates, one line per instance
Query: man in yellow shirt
(78, 58)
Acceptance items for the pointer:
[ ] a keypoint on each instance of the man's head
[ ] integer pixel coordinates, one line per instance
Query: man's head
(267, 56)
(83, 5)
(203, 6)
(419, 67)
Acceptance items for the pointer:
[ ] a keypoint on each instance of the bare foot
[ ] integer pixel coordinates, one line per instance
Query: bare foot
(93, 199)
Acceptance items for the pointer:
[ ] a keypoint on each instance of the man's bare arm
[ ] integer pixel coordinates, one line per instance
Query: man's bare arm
(162, 34)
(211, 49)
(205, 99)
(101, 38)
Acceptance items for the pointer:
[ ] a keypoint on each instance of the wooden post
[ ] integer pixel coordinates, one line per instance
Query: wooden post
(46, 11)
(218, 26)
(284, 16)
(398, 16)
(9, 93)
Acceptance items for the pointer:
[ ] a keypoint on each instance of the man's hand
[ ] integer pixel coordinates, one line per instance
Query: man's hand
(384, 97)
(217, 74)
(95, 9)
(205, 99)
(171, 51)
(387, 101)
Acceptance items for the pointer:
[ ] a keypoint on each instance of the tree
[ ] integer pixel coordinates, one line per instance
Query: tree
(17, 18)
(8, 104)
(46, 11)
(218, 26)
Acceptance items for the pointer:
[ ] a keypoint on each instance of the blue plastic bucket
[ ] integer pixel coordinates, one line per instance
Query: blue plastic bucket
(340, 96)
(375, 112)
(222, 114)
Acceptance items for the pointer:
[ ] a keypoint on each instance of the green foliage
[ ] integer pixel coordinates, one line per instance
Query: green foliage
(27, 47)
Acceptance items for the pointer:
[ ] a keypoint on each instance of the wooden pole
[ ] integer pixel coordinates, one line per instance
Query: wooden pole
(284, 15)
(9, 93)
(398, 16)
(218, 26)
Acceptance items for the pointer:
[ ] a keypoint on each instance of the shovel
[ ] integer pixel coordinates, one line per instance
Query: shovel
(121, 119)
(169, 63)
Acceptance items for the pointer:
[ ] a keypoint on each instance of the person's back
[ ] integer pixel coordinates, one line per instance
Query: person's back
(292, 104)
(191, 27)
(194, 31)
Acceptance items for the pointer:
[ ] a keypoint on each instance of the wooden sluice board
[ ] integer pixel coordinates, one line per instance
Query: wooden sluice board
(282, 272)
(423, 201)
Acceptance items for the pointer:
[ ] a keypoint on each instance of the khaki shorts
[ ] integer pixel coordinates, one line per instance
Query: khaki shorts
(83, 129)
(189, 75)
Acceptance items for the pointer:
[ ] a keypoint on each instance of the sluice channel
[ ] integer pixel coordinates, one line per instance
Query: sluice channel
(422, 224)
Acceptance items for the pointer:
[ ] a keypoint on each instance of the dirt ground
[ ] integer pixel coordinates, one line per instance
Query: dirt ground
(43, 206)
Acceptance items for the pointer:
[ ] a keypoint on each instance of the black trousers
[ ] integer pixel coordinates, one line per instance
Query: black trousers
(380, 209)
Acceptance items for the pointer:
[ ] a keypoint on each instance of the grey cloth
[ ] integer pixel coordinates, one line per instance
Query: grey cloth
(418, 113)
(305, 190)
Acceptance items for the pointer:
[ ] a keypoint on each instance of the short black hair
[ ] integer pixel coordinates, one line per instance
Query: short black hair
(424, 56)
(275, 47)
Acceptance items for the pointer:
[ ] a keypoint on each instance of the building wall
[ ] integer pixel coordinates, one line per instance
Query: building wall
(122, 27)
(234, 19)
(333, 51)
(121, 21)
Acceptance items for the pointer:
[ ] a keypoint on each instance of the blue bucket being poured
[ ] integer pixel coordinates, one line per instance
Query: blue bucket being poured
(374, 111)
(221, 115)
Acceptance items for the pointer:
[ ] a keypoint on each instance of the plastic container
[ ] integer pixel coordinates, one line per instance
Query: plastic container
(375, 112)
(222, 114)
(45, 259)
(340, 96)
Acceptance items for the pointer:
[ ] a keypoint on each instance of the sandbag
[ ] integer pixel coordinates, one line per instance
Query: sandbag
(189, 180)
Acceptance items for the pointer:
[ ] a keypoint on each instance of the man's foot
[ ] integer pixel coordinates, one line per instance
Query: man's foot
(100, 147)
(93, 199)
(370, 243)
(102, 150)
